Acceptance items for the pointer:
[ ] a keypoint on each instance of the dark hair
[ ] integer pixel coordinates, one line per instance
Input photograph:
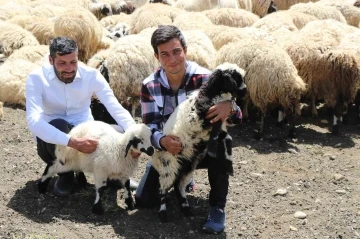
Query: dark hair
(165, 33)
(62, 46)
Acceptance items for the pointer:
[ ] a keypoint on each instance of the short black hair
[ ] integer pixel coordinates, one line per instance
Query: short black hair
(62, 46)
(165, 33)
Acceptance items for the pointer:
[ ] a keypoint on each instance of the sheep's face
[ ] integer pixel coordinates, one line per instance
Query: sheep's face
(139, 139)
(227, 78)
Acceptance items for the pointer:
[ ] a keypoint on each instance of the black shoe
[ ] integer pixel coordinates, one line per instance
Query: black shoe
(64, 184)
(115, 183)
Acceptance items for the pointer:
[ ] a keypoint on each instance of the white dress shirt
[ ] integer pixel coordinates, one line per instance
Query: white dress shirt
(48, 98)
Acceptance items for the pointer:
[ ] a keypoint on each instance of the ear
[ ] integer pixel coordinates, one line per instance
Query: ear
(128, 146)
(156, 56)
(185, 50)
(51, 60)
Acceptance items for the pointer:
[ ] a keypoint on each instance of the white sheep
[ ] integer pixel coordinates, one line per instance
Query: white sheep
(320, 11)
(13, 37)
(12, 9)
(350, 12)
(82, 26)
(285, 5)
(129, 62)
(12, 80)
(198, 6)
(271, 78)
(34, 54)
(231, 17)
(263, 7)
(152, 15)
(110, 160)
(110, 21)
(189, 123)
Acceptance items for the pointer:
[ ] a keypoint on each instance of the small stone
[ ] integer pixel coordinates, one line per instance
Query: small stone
(243, 162)
(292, 228)
(300, 215)
(292, 151)
(338, 177)
(341, 191)
(191, 231)
(280, 192)
(324, 121)
(257, 174)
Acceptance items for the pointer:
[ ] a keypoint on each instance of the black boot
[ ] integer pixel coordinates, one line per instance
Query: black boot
(64, 184)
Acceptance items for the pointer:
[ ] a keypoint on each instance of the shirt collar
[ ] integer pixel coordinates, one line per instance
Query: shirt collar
(164, 81)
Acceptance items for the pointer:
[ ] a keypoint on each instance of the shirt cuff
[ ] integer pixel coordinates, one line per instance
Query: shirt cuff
(62, 138)
(155, 139)
(235, 117)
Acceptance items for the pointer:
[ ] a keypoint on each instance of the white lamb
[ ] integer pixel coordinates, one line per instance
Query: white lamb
(110, 160)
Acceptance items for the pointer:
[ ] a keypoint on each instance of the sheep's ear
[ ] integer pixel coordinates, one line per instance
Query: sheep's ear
(128, 146)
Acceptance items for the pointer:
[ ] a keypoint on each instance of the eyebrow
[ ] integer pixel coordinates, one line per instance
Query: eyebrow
(178, 48)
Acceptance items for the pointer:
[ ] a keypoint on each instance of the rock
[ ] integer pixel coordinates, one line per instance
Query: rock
(243, 162)
(300, 215)
(292, 151)
(324, 121)
(338, 177)
(281, 192)
(341, 191)
(292, 228)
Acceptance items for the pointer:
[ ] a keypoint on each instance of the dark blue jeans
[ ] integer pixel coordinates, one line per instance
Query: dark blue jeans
(148, 190)
(45, 150)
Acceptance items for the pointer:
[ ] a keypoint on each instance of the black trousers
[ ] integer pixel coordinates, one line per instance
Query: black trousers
(147, 192)
(45, 150)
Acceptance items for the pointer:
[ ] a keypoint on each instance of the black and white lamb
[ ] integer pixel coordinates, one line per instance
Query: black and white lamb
(189, 123)
(110, 160)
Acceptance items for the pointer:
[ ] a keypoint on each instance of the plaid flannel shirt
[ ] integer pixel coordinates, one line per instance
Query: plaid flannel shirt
(158, 101)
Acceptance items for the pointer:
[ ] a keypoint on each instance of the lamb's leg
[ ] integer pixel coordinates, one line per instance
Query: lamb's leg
(44, 181)
(181, 195)
(260, 134)
(313, 107)
(338, 118)
(166, 181)
(225, 152)
(100, 184)
(50, 170)
(128, 196)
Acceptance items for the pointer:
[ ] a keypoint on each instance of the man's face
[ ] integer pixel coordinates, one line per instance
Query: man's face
(65, 66)
(171, 56)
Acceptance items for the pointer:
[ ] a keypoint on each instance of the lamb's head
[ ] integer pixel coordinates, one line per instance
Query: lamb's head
(139, 139)
(272, 8)
(227, 79)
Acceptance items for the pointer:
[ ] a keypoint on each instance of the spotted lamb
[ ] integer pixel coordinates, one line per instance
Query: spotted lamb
(189, 123)
(110, 159)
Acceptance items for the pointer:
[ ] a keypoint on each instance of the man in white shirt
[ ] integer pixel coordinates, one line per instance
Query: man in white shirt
(58, 97)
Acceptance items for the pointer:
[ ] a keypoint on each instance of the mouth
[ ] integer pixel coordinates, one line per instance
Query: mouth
(68, 74)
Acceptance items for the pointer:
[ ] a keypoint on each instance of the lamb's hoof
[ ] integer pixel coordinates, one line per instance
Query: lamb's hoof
(42, 186)
(229, 170)
(98, 209)
(186, 211)
(336, 130)
(163, 216)
(130, 204)
(81, 179)
(280, 124)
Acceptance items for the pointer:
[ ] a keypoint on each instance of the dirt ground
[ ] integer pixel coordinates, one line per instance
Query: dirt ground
(320, 173)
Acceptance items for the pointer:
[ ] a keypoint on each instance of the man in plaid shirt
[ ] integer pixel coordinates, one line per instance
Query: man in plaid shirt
(161, 93)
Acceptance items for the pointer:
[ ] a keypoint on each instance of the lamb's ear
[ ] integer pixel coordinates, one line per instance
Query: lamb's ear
(128, 146)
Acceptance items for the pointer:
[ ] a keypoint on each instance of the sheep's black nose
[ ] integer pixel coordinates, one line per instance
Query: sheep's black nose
(149, 151)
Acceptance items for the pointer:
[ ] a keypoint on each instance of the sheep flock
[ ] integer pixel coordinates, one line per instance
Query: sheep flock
(295, 53)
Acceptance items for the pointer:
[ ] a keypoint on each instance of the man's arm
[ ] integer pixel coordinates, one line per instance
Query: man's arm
(34, 111)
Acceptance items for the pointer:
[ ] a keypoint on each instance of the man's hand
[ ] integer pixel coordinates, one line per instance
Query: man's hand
(220, 111)
(85, 145)
(171, 143)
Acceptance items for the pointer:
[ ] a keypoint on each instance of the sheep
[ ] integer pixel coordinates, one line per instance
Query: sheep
(330, 72)
(34, 54)
(121, 29)
(119, 6)
(357, 3)
(110, 21)
(263, 7)
(192, 21)
(198, 6)
(200, 49)
(152, 15)
(82, 26)
(285, 5)
(130, 61)
(231, 17)
(291, 20)
(1, 110)
(47, 10)
(271, 78)
(12, 80)
(110, 160)
(188, 122)
(350, 12)
(12, 9)
(246, 5)
(42, 28)
(320, 11)
(13, 37)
